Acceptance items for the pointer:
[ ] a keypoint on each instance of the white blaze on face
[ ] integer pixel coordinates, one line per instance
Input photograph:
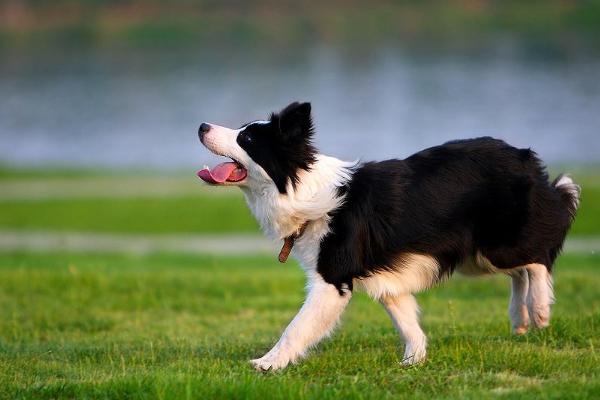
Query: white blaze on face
(223, 142)
(259, 122)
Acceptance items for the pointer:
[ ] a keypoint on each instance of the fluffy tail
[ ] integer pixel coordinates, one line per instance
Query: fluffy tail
(569, 191)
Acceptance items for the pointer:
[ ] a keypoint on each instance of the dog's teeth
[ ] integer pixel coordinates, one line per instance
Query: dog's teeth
(206, 167)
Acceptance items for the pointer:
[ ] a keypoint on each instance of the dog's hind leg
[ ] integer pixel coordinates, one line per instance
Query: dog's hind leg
(540, 296)
(315, 320)
(519, 316)
(404, 312)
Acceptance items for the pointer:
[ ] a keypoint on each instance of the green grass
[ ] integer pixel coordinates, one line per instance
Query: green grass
(179, 326)
(121, 203)
(175, 326)
(189, 214)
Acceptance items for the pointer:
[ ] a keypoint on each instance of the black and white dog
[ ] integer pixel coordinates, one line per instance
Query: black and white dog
(396, 227)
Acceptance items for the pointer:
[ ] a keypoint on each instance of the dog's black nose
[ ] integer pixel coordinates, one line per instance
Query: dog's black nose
(204, 128)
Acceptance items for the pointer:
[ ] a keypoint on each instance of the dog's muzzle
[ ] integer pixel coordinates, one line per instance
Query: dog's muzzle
(202, 130)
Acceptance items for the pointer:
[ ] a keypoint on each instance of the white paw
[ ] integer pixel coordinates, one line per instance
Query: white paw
(520, 329)
(540, 315)
(270, 362)
(413, 356)
(519, 315)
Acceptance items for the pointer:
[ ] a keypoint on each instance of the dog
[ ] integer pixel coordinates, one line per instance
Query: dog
(396, 227)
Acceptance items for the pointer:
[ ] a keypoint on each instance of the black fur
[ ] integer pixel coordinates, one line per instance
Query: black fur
(283, 146)
(448, 202)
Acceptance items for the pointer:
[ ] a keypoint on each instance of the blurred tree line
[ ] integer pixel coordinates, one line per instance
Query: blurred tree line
(156, 22)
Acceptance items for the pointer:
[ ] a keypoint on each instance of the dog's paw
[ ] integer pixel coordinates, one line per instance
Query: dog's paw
(519, 316)
(540, 315)
(270, 362)
(520, 330)
(414, 357)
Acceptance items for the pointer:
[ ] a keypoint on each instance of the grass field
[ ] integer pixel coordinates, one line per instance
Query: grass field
(173, 326)
(107, 325)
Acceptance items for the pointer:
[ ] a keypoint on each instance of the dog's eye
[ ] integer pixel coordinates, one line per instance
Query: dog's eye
(244, 137)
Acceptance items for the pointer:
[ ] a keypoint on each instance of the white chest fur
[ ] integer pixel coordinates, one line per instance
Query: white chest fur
(315, 195)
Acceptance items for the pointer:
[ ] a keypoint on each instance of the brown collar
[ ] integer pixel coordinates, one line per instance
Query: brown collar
(289, 241)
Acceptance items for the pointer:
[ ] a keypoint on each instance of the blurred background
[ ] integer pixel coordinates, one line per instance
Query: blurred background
(124, 84)
(101, 99)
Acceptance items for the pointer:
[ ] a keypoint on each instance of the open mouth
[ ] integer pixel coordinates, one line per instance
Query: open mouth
(231, 171)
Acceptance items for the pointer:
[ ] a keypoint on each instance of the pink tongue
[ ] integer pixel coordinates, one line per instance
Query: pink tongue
(221, 173)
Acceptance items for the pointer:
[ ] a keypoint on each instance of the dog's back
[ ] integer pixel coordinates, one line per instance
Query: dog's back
(450, 202)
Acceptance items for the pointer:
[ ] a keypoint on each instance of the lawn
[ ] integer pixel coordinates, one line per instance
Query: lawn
(177, 326)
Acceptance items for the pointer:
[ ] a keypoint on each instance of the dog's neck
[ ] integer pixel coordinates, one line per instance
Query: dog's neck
(315, 195)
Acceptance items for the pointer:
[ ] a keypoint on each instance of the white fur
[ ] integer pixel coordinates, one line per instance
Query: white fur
(540, 296)
(565, 182)
(416, 272)
(517, 309)
(257, 122)
(279, 215)
(315, 320)
(394, 288)
(404, 312)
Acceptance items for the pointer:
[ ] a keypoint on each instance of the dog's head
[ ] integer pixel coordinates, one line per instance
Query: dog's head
(273, 150)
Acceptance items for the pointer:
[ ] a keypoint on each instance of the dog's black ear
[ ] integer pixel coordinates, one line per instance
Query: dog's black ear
(295, 120)
(293, 144)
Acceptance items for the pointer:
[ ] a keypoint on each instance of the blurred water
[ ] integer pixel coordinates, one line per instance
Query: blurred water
(106, 108)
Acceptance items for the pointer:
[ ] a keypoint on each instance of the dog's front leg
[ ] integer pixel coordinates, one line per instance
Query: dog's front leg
(315, 320)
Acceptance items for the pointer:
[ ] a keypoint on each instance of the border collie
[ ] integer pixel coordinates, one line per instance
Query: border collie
(396, 227)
